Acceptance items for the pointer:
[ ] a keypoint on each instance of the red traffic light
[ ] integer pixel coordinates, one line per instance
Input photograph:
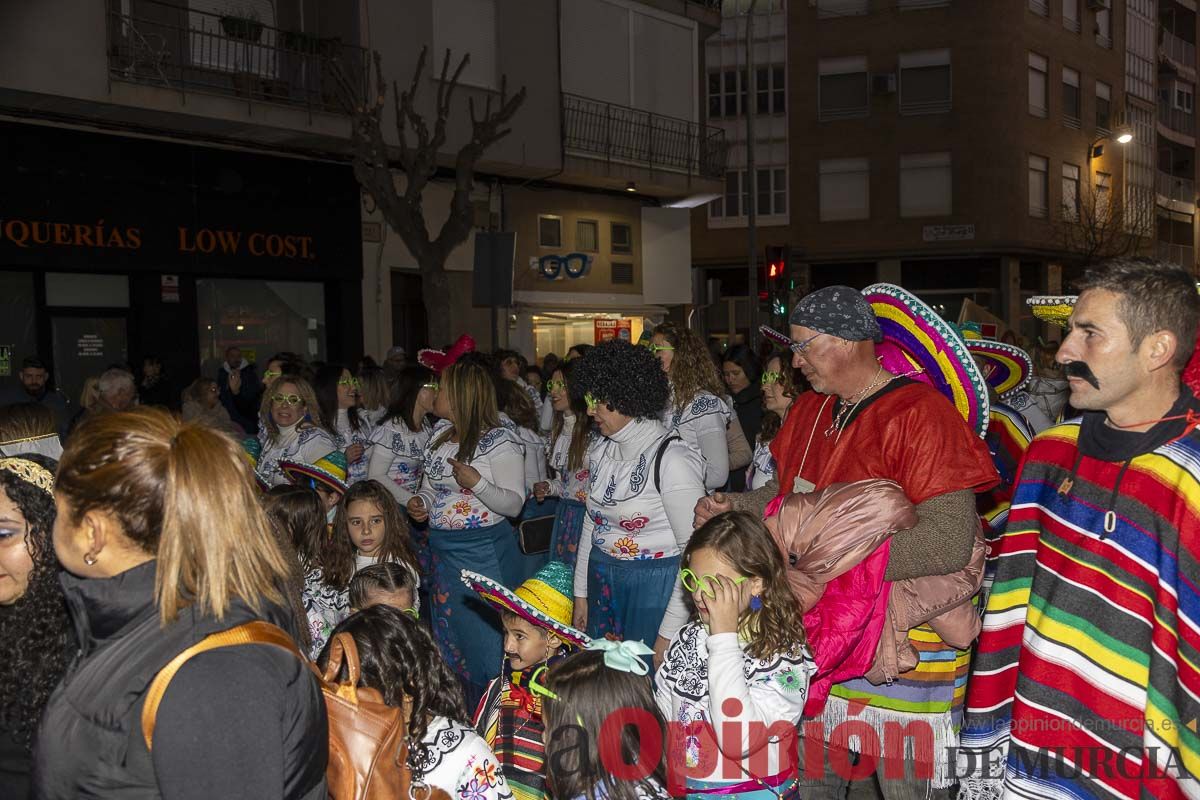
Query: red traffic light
(774, 269)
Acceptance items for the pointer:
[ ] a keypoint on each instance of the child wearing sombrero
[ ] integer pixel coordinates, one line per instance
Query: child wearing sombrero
(537, 632)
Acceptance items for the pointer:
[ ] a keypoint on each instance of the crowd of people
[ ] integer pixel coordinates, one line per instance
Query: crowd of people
(877, 522)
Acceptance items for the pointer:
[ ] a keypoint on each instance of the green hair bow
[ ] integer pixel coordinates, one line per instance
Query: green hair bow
(623, 656)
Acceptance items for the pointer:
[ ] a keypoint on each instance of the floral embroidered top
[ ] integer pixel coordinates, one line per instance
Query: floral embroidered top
(396, 455)
(500, 459)
(702, 672)
(347, 436)
(702, 423)
(302, 442)
(762, 467)
(457, 760)
(628, 517)
(325, 607)
(569, 484)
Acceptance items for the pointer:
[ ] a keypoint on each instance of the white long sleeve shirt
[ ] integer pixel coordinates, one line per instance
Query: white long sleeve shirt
(762, 467)
(701, 672)
(535, 452)
(702, 423)
(631, 519)
(303, 442)
(567, 483)
(346, 436)
(396, 455)
(500, 459)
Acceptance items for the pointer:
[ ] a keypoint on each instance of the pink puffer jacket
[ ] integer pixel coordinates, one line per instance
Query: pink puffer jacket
(836, 544)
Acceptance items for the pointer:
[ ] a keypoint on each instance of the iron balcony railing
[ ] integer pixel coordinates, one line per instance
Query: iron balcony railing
(1179, 254)
(162, 44)
(596, 129)
(1176, 119)
(1178, 50)
(1172, 187)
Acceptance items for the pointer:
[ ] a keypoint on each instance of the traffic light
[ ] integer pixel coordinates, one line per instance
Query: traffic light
(773, 273)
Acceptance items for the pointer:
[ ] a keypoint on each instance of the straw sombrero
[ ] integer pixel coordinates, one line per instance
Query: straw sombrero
(915, 337)
(1055, 309)
(252, 450)
(1007, 368)
(328, 470)
(544, 600)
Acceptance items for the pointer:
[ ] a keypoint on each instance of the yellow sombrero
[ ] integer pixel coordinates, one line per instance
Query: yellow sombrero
(544, 600)
(1055, 309)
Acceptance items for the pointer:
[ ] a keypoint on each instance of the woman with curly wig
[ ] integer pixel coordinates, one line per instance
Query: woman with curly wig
(696, 410)
(645, 482)
(778, 391)
(746, 644)
(398, 659)
(34, 628)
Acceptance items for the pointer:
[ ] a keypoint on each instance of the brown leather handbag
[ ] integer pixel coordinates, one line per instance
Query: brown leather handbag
(368, 745)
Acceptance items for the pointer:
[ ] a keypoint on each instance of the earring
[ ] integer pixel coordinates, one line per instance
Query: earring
(755, 603)
(89, 559)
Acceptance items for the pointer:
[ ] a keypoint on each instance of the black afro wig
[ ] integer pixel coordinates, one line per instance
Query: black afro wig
(630, 379)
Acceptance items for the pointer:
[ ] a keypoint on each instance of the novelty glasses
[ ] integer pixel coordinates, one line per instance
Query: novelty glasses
(693, 582)
(287, 399)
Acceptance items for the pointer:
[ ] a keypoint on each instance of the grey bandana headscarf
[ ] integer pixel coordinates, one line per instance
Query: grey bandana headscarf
(838, 311)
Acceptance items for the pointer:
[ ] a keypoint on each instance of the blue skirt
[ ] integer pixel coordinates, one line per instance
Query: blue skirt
(568, 526)
(466, 627)
(627, 598)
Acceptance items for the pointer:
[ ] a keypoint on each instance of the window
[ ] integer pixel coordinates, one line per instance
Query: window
(1038, 188)
(1184, 96)
(549, 231)
(778, 91)
(1104, 27)
(1039, 7)
(731, 203)
(622, 273)
(769, 90)
(842, 8)
(1103, 107)
(845, 189)
(477, 38)
(728, 93)
(1103, 196)
(714, 95)
(1070, 192)
(1070, 97)
(925, 82)
(1071, 15)
(843, 87)
(587, 236)
(622, 238)
(925, 185)
(1038, 67)
(771, 188)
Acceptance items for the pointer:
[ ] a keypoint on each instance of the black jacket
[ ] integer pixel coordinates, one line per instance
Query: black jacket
(747, 404)
(237, 722)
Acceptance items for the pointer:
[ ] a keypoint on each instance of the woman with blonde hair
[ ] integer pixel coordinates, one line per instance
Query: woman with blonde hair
(160, 528)
(696, 411)
(472, 482)
(291, 428)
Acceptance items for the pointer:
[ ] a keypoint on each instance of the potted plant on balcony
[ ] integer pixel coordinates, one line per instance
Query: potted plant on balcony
(244, 26)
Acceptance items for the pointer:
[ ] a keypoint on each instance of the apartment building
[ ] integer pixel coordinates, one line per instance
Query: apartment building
(978, 150)
(177, 173)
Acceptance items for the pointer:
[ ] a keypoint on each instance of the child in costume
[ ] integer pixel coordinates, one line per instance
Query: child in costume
(742, 659)
(326, 476)
(387, 584)
(609, 680)
(537, 632)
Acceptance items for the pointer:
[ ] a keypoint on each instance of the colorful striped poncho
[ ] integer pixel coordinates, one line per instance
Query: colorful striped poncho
(1007, 439)
(1086, 680)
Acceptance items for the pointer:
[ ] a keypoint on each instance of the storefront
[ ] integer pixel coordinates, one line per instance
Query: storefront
(115, 248)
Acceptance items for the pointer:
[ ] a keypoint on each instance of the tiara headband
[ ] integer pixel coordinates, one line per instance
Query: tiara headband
(29, 472)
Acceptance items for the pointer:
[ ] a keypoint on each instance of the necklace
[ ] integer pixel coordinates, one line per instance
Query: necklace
(852, 402)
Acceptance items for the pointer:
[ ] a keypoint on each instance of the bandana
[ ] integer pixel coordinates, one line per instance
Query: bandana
(838, 311)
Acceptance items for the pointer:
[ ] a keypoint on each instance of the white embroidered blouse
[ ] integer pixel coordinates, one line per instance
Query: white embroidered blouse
(457, 760)
(396, 455)
(346, 436)
(565, 483)
(702, 423)
(500, 459)
(762, 467)
(303, 442)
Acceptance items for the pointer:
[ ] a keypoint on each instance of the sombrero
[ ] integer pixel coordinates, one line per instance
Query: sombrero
(329, 470)
(915, 337)
(544, 600)
(1007, 368)
(1055, 309)
(252, 449)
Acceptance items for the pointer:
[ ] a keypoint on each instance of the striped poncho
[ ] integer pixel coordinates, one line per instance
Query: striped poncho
(1086, 680)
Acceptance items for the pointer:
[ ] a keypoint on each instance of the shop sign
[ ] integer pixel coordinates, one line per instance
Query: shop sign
(90, 346)
(613, 329)
(170, 288)
(948, 233)
(568, 265)
(5, 360)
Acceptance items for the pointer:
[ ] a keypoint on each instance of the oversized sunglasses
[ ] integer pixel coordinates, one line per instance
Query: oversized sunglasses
(693, 582)
(591, 400)
(432, 385)
(771, 377)
(553, 385)
(287, 399)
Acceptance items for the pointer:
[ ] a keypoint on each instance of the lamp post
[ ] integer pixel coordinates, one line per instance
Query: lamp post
(1122, 135)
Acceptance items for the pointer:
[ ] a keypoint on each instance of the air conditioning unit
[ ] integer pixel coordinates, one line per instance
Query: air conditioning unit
(884, 84)
(1099, 5)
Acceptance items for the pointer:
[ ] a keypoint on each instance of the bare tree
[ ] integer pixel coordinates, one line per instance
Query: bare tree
(1100, 226)
(420, 148)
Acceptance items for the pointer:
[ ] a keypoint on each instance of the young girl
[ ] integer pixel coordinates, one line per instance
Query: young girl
(579, 696)
(399, 660)
(742, 659)
(292, 428)
(696, 410)
(778, 392)
(298, 512)
(337, 392)
(571, 436)
(371, 521)
(387, 584)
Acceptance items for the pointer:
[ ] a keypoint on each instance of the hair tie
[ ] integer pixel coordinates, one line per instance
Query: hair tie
(623, 656)
(29, 472)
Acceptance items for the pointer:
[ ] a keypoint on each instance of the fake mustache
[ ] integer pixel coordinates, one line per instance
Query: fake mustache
(1080, 369)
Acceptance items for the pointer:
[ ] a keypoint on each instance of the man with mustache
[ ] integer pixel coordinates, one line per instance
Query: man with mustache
(1086, 679)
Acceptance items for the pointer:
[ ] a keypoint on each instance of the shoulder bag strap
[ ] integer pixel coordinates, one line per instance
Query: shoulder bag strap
(662, 448)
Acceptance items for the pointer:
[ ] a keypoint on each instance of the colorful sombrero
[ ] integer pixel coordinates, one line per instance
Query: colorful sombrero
(329, 470)
(1007, 368)
(544, 600)
(915, 337)
(252, 450)
(1055, 309)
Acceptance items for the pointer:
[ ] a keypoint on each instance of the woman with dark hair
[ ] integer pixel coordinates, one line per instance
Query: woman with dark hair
(399, 440)
(34, 629)
(472, 483)
(645, 483)
(154, 389)
(285, 364)
(375, 394)
(160, 527)
(696, 410)
(520, 416)
(740, 371)
(778, 391)
(337, 393)
(571, 438)
(577, 351)
(398, 659)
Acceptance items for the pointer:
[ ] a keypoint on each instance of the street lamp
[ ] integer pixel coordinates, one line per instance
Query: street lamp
(1122, 135)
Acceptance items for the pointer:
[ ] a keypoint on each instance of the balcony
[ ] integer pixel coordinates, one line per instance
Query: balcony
(622, 135)
(1181, 255)
(1175, 119)
(1176, 190)
(191, 51)
(1177, 50)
